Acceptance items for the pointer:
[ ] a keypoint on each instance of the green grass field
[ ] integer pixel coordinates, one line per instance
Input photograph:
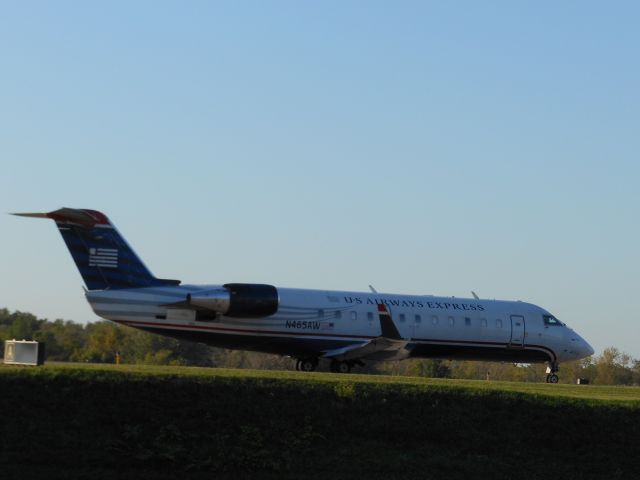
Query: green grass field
(101, 421)
(629, 395)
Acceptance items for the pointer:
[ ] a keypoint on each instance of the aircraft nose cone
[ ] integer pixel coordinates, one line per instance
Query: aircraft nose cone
(588, 349)
(584, 349)
(579, 346)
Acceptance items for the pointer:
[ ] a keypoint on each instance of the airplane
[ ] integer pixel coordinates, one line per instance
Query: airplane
(342, 327)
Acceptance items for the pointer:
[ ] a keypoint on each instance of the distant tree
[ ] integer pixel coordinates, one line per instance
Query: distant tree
(254, 360)
(635, 369)
(103, 341)
(17, 325)
(162, 357)
(65, 340)
(571, 371)
(23, 326)
(433, 368)
(613, 367)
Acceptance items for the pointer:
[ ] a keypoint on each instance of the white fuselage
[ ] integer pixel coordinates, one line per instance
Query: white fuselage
(346, 328)
(309, 322)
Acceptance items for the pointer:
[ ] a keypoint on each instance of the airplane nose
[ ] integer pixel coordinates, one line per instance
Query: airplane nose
(584, 349)
(579, 346)
(588, 349)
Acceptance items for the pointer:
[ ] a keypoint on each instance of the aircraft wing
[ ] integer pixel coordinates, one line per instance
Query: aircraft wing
(388, 346)
(379, 348)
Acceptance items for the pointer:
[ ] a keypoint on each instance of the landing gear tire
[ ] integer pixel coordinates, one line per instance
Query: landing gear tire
(306, 364)
(340, 367)
(552, 371)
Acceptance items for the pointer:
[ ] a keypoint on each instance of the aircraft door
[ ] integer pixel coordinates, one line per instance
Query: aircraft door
(517, 330)
(416, 321)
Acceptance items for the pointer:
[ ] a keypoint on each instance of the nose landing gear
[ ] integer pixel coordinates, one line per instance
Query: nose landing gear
(552, 372)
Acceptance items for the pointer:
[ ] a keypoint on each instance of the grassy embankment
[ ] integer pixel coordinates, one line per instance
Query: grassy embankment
(167, 422)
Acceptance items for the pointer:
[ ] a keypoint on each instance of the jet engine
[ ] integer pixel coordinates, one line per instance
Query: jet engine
(249, 300)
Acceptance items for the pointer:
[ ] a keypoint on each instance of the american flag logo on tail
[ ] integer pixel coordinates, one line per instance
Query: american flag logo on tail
(103, 257)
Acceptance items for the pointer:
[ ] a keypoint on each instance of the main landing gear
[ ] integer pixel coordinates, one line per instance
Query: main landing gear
(337, 366)
(552, 372)
(306, 364)
(340, 367)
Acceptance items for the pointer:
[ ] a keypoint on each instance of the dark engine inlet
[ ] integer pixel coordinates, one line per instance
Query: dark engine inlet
(251, 300)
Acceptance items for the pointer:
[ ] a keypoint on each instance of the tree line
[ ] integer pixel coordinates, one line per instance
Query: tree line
(103, 341)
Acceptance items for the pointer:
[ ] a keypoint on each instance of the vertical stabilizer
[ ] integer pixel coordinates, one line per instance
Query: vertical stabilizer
(102, 255)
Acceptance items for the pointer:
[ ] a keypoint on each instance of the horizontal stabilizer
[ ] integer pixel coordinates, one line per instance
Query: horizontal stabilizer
(87, 218)
(32, 215)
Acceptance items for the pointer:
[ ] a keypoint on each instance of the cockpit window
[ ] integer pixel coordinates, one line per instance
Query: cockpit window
(552, 321)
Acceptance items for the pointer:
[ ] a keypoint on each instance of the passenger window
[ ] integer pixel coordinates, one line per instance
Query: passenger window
(434, 319)
(402, 317)
(369, 316)
(498, 323)
(418, 319)
(467, 321)
(483, 322)
(452, 321)
(338, 315)
(354, 315)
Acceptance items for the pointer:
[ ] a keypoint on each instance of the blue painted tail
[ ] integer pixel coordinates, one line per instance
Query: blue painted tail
(103, 257)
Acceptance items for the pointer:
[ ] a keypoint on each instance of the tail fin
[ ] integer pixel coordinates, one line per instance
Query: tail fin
(102, 255)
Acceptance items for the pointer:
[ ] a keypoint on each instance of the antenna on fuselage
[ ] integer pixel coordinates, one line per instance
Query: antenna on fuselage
(373, 289)
(474, 295)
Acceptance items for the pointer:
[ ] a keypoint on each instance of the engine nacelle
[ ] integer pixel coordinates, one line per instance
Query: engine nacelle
(216, 300)
(247, 300)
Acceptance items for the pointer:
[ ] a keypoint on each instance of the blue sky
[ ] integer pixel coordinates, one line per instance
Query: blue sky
(422, 147)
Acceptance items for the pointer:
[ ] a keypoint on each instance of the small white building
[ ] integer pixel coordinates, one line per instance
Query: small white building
(23, 352)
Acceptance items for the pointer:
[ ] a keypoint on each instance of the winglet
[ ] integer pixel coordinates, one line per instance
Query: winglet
(389, 329)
